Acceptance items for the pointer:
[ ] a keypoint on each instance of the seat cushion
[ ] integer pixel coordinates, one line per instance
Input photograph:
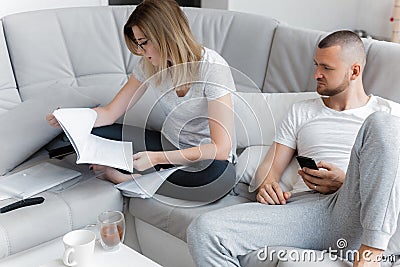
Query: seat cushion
(173, 215)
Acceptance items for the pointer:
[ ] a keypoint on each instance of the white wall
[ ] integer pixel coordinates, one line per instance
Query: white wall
(14, 6)
(327, 15)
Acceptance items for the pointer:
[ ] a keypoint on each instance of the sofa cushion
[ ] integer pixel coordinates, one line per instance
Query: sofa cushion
(63, 210)
(290, 68)
(252, 157)
(382, 56)
(24, 129)
(173, 215)
(47, 46)
(9, 96)
(222, 31)
(257, 116)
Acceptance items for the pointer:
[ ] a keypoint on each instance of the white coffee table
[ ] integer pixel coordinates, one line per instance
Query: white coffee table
(50, 254)
(125, 256)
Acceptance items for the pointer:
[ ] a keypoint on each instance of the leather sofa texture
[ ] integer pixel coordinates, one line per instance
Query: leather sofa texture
(83, 49)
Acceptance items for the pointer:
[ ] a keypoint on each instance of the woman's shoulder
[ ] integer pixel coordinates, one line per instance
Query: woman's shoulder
(212, 56)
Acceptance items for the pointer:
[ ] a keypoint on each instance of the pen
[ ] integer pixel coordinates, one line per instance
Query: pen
(22, 203)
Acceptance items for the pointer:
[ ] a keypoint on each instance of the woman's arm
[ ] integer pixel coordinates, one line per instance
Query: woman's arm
(123, 101)
(221, 132)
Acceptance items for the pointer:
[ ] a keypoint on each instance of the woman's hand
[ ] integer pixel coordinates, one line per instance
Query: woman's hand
(144, 160)
(52, 121)
(325, 181)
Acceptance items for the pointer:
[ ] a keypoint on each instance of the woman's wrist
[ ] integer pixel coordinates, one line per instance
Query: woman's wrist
(160, 158)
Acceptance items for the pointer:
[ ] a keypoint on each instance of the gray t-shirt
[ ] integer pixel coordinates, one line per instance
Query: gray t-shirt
(186, 124)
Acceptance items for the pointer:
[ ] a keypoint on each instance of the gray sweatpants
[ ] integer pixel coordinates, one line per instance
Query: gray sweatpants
(364, 210)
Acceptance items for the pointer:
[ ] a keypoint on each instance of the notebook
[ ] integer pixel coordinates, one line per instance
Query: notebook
(36, 179)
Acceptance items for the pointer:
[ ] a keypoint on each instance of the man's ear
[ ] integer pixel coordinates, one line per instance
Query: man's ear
(356, 71)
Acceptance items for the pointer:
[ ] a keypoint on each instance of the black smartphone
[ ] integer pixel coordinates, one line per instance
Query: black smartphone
(307, 162)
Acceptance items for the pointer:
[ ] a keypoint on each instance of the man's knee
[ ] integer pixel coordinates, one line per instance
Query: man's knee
(382, 124)
(201, 227)
(381, 120)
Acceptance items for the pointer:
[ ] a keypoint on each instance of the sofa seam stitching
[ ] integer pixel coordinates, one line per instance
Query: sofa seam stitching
(121, 47)
(71, 224)
(66, 48)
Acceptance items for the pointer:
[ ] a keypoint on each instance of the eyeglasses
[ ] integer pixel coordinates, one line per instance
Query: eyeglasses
(142, 44)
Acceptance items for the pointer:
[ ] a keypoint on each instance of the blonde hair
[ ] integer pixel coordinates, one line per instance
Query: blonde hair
(167, 27)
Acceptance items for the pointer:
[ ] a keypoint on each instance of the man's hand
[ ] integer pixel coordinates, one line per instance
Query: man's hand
(144, 160)
(270, 192)
(325, 181)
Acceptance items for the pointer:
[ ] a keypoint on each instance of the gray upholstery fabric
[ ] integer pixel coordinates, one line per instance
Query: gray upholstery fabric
(224, 32)
(61, 212)
(25, 130)
(290, 67)
(173, 215)
(9, 97)
(380, 76)
(72, 54)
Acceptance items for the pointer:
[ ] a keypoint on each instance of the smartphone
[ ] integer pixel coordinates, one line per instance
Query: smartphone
(307, 162)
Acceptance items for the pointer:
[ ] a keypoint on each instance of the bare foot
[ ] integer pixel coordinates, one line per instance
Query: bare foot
(111, 174)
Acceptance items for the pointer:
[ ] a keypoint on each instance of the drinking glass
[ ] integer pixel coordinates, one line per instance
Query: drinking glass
(112, 229)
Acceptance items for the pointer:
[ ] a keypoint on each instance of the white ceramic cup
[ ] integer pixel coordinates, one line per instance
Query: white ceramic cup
(79, 248)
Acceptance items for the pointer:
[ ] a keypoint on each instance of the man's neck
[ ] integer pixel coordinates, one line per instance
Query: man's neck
(348, 99)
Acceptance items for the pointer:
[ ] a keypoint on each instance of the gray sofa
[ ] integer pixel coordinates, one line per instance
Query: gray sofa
(44, 55)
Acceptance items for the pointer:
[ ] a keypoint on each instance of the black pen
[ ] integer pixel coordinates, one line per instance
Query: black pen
(22, 203)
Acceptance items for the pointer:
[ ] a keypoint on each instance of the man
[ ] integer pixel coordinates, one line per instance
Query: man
(360, 206)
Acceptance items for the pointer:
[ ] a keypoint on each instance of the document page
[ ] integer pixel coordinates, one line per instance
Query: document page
(77, 124)
(145, 186)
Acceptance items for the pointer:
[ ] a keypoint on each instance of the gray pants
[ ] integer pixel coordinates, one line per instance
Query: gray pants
(364, 210)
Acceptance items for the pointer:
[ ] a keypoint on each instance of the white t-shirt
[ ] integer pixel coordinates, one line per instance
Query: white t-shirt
(322, 133)
(186, 124)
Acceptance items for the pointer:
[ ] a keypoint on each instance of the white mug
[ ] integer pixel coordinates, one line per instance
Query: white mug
(79, 248)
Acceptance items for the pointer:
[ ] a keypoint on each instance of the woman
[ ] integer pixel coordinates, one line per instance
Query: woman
(193, 86)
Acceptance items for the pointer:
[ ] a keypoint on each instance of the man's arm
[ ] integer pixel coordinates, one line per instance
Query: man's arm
(269, 174)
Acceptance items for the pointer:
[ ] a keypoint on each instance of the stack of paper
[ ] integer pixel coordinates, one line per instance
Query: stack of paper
(145, 186)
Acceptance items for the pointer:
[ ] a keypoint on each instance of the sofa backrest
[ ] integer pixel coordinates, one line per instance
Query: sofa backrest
(9, 97)
(290, 67)
(75, 46)
(380, 75)
(244, 40)
(85, 46)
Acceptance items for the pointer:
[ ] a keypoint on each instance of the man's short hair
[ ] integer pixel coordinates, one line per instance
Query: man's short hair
(349, 42)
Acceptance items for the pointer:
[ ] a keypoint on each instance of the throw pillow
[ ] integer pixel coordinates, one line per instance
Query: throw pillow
(24, 129)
